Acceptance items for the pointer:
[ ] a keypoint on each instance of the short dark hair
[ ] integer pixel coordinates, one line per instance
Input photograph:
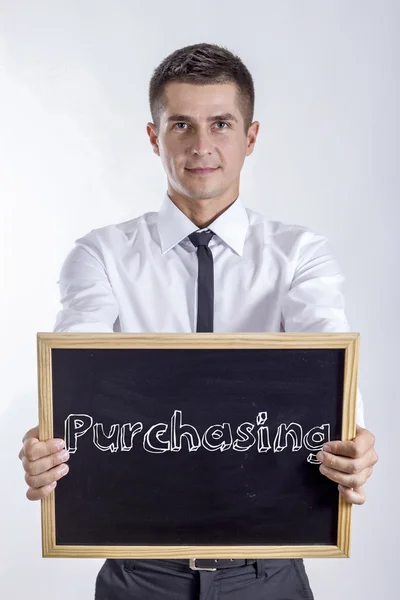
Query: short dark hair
(202, 64)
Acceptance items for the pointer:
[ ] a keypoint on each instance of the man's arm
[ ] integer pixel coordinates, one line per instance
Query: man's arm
(87, 299)
(88, 305)
(315, 303)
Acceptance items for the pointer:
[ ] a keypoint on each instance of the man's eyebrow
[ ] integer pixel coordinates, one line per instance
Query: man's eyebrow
(223, 117)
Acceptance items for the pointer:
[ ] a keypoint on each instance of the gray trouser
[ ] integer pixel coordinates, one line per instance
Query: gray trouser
(153, 579)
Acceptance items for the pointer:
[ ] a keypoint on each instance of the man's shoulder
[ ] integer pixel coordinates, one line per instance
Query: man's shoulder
(107, 234)
(278, 231)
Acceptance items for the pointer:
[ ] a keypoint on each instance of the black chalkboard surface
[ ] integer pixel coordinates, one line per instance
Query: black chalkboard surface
(196, 444)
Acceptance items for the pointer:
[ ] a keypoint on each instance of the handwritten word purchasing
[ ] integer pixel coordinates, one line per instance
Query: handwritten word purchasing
(167, 437)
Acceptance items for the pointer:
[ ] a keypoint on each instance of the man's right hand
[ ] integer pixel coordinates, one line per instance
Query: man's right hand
(44, 463)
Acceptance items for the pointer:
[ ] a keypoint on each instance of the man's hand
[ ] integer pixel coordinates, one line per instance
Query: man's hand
(350, 464)
(43, 462)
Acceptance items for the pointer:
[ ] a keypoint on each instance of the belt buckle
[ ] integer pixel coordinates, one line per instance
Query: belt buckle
(192, 565)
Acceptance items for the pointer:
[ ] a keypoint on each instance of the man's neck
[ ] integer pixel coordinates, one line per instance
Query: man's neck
(202, 212)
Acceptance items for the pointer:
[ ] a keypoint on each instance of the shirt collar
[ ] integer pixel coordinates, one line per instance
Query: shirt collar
(174, 226)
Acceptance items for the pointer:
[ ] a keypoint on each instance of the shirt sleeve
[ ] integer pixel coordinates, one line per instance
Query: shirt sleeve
(87, 299)
(314, 301)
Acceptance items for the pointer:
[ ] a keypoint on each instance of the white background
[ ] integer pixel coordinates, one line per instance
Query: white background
(74, 155)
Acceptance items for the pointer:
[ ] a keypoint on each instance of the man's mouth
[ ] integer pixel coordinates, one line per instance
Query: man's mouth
(202, 171)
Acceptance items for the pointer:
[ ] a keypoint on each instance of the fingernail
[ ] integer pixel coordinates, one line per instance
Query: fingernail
(63, 469)
(64, 455)
(320, 456)
(60, 444)
(53, 485)
(327, 448)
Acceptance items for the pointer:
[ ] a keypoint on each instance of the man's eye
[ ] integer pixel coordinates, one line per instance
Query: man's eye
(223, 122)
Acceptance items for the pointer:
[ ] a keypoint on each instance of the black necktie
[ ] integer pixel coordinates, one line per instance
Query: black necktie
(205, 280)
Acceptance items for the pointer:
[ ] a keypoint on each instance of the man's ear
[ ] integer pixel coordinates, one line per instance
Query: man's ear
(252, 137)
(153, 136)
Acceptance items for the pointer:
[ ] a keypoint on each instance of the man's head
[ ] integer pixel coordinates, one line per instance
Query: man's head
(202, 103)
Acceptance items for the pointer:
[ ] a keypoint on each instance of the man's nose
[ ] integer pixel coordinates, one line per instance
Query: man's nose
(201, 143)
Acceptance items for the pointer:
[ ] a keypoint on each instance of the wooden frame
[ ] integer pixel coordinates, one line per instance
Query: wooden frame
(46, 341)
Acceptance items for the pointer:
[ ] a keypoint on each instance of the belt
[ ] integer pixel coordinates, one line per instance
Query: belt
(212, 564)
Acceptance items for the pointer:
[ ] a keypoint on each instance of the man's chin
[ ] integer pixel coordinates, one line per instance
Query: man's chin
(203, 194)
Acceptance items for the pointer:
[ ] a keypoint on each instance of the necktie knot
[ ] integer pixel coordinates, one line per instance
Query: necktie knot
(201, 238)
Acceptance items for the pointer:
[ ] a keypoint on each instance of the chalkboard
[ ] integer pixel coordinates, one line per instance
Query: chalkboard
(198, 445)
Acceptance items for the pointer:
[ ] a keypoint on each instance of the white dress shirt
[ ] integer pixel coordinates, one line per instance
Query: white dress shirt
(141, 276)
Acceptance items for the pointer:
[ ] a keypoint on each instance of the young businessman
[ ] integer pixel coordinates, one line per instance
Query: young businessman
(204, 262)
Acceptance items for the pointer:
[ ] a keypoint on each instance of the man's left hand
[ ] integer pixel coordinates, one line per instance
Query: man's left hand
(350, 464)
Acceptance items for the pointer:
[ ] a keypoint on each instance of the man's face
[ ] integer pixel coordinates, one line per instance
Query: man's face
(202, 128)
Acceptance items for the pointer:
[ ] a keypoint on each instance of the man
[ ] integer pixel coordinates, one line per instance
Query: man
(157, 273)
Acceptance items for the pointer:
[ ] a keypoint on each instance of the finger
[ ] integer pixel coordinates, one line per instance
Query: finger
(38, 481)
(339, 448)
(355, 448)
(40, 493)
(349, 481)
(348, 465)
(355, 496)
(34, 449)
(42, 465)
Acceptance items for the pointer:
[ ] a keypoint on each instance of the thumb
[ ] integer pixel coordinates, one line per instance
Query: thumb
(32, 433)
